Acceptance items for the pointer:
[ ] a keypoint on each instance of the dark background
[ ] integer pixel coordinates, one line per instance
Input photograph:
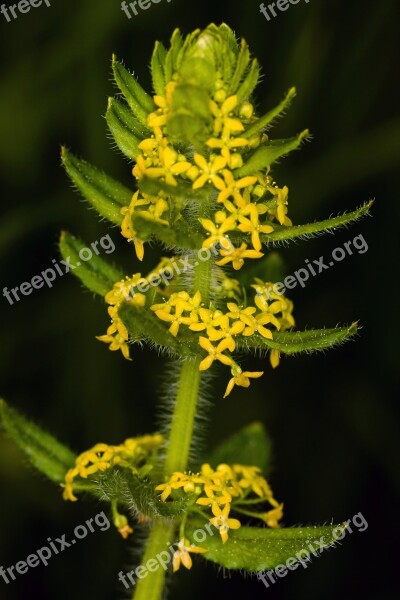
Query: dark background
(332, 416)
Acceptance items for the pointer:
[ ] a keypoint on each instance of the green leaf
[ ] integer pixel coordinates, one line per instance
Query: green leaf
(181, 235)
(43, 451)
(137, 493)
(247, 87)
(183, 191)
(139, 101)
(121, 124)
(264, 121)
(157, 68)
(294, 342)
(172, 55)
(250, 446)
(241, 66)
(104, 193)
(96, 274)
(268, 153)
(257, 549)
(306, 231)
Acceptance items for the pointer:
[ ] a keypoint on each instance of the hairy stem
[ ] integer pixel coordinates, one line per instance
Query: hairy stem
(159, 540)
(178, 448)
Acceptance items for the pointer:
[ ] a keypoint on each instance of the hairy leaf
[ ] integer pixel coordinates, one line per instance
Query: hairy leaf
(267, 119)
(103, 192)
(304, 231)
(268, 153)
(121, 124)
(43, 451)
(256, 549)
(294, 342)
(96, 274)
(139, 101)
(181, 236)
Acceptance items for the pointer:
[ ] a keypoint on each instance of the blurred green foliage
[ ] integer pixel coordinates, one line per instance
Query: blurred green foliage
(332, 417)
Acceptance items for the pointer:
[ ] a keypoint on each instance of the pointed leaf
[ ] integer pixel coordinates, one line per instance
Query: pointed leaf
(121, 124)
(264, 121)
(43, 451)
(293, 342)
(182, 191)
(247, 87)
(306, 231)
(139, 101)
(250, 446)
(137, 493)
(181, 236)
(157, 68)
(268, 153)
(104, 193)
(241, 66)
(256, 549)
(96, 274)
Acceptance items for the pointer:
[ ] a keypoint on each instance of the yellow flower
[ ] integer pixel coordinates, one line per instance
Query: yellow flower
(170, 166)
(182, 554)
(272, 517)
(226, 331)
(274, 358)
(253, 227)
(209, 171)
(214, 353)
(237, 256)
(222, 522)
(116, 342)
(217, 232)
(244, 314)
(206, 319)
(232, 187)
(223, 116)
(176, 319)
(241, 379)
(251, 478)
(281, 204)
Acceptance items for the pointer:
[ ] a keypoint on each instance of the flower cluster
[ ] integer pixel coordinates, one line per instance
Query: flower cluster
(246, 205)
(222, 490)
(117, 334)
(220, 329)
(131, 453)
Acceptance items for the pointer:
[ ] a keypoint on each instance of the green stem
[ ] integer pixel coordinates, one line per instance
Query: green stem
(159, 540)
(181, 432)
(178, 449)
